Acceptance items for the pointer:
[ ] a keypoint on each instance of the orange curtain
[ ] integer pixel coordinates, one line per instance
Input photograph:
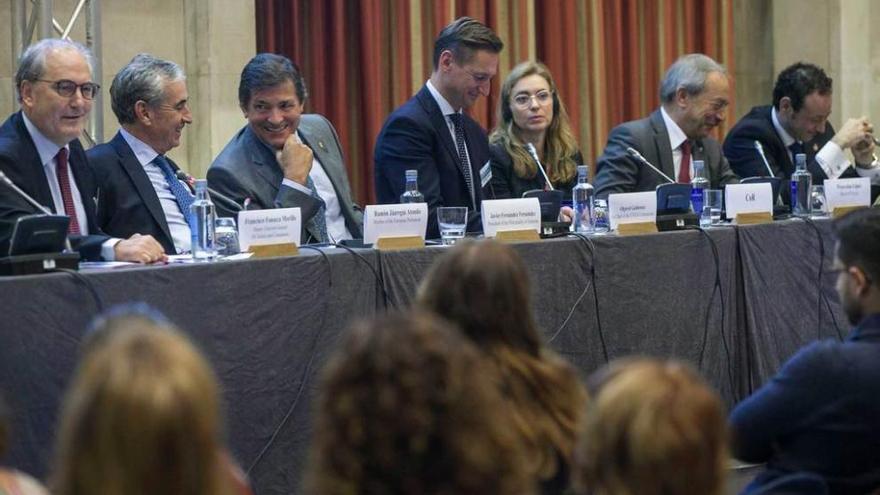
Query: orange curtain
(363, 59)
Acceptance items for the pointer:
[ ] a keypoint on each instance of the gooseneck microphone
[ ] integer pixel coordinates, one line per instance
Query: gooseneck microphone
(763, 157)
(638, 156)
(222, 197)
(534, 153)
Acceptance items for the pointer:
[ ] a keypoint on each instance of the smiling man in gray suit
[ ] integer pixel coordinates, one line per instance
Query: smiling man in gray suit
(284, 158)
(693, 96)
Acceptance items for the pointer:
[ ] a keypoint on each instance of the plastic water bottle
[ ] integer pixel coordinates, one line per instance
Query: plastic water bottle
(201, 222)
(582, 197)
(698, 183)
(412, 194)
(801, 180)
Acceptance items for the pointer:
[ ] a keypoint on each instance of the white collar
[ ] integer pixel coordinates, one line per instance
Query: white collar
(787, 140)
(144, 153)
(676, 135)
(45, 147)
(445, 107)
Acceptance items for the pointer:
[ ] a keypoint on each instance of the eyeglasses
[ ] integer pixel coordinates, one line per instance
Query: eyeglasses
(67, 88)
(524, 101)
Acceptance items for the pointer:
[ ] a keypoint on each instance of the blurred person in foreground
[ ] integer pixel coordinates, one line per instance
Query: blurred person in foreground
(483, 287)
(142, 417)
(408, 407)
(653, 428)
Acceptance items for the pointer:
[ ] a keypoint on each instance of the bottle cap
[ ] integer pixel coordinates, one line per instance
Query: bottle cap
(412, 174)
(582, 171)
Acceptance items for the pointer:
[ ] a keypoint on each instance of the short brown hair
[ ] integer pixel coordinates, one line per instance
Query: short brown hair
(408, 407)
(653, 427)
(464, 36)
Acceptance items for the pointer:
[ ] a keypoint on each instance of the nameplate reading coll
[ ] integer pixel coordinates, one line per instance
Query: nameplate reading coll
(748, 198)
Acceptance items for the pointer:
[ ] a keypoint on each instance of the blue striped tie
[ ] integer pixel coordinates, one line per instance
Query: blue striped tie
(181, 193)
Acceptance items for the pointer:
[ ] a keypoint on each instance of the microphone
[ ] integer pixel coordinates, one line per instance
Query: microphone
(534, 154)
(763, 157)
(6, 180)
(638, 156)
(224, 198)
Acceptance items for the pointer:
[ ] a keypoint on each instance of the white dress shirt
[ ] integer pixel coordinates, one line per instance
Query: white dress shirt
(336, 228)
(676, 138)
(47, 151)
(176, 219)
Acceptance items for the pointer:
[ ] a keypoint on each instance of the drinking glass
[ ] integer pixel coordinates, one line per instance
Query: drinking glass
(226, 236)
(452, 221)
(711, 214)
(817, 200)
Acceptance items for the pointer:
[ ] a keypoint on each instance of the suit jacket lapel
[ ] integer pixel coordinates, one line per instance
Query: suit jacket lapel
(786, 165)
(33, 167)
(439, 123)
(264, 158)
(141, 181)
(661, 141)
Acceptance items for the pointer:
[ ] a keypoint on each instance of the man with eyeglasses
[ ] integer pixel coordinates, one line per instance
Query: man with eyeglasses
(431, 134)
(139, 188)
(694, 95)
(797, 122)
(41, 153)
(818, 416)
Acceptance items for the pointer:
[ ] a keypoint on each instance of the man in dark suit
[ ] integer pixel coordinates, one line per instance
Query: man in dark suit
(819, 413)
(694, 94)
(40, 152)
(431, 134)
(284, 158)
(797, 122)
(139, 192)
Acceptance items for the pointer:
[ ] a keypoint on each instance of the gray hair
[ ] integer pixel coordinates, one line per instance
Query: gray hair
(32, 63)
(689, 73)
(142, 79)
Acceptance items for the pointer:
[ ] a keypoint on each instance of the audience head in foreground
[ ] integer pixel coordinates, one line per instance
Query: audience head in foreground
(408, 406)
(483, 287)
(142, 416)
(653, 428)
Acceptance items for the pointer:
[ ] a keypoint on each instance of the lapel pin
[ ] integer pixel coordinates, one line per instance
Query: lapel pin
(815, 147)
(321, 145)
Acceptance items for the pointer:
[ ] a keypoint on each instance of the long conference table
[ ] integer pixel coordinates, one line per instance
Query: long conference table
(735, 302)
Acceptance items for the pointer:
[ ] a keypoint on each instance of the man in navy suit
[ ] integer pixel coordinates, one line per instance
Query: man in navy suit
(797, 122)
(40, 152)
(139, 192)
(432, 135)
(819, 413)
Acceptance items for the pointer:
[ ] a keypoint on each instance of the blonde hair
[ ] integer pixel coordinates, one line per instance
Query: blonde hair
(560, 146)
(653, 428)
(142, 417)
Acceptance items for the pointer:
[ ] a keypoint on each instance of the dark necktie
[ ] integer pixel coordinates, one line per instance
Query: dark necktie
(61, 171)
(462, 154)
(181, 193)
(319, 221)
(796, 148)
(684, 170)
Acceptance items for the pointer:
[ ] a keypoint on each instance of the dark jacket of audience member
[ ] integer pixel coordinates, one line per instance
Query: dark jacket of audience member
(408, 407)
(14, 482)
(483, 287)
(653, 428)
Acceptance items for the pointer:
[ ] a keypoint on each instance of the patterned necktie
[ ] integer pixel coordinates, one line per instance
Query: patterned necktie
(319, 221)
(181, 193)
(684, 171)
(462, 153)
(66, 196)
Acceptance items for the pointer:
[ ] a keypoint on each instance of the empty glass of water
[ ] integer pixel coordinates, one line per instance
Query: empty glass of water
(711, 214)
(453, 222)
(817, 200)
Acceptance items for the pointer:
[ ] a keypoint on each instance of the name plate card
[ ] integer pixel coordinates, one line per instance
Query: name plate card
(748, 198)
(265, 227)
(630, 208)
(505, 215)
(841, 193)
(387, 221)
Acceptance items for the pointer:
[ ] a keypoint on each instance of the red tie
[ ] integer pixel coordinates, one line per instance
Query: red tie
(684, 172)
(64, 185)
